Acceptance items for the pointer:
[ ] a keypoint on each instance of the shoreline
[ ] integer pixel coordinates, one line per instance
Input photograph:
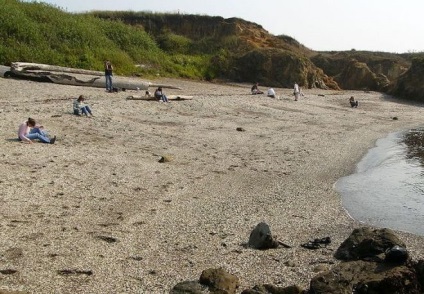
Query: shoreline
(169, 221)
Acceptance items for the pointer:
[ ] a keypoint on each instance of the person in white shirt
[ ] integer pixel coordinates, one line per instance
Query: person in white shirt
(271, 93)
(296, 91)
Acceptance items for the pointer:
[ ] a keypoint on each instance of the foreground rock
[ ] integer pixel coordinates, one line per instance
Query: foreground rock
(376, 262)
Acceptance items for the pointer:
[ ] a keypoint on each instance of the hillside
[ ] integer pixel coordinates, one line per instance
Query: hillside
(189, 46)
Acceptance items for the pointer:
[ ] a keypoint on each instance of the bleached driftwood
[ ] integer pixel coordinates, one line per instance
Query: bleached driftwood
(27, 66)
(61, 75)
(152, 98)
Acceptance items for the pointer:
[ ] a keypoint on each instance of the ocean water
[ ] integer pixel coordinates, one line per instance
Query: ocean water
(387, 189)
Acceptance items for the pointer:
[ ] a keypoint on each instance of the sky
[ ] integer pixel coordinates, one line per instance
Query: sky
(394, 26)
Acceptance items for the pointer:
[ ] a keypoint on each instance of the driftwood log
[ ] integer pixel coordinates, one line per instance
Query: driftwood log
(73, 76)
(26, 66)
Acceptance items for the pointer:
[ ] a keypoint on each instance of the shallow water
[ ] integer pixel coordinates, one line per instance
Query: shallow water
(387, 189)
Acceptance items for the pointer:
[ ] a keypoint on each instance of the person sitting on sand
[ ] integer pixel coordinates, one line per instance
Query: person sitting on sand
(29, 131)
(81, 107)
(255, 90)
(271, 93)
(352, 102)
(160, 95)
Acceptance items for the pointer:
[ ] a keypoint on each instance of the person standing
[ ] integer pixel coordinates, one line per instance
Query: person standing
(29, 131)
(108, 76)
(296, 91)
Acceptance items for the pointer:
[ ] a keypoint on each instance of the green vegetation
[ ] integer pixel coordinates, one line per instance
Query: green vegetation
(41, 33)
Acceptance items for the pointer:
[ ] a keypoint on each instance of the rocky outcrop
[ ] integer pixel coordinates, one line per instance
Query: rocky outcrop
(357, 75)
(280, 68)
(366, 242)
(374, 261)
(410, 85)
(366, 277)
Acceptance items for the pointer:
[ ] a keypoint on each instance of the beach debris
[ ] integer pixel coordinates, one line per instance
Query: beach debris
(165, 158)
(107, 239)
(8, 271)
(67, 272)
(321, 95)
(66, 76)
(395, 118)
(239, 129)
(261, 237)
(317, 243)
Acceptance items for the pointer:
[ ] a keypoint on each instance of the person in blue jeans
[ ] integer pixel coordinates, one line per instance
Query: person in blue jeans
(29, 131)
(160, 95)
(81, 107)
(108, 76)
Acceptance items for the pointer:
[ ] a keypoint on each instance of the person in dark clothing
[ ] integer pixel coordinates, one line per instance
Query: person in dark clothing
(353, 103)
(108, 75)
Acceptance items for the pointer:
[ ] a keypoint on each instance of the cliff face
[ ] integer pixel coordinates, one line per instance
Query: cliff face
(254, 55)
(410, 85)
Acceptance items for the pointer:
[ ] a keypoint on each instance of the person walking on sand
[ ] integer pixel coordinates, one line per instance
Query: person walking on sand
(108, 76)
(29, 131)
(81, 107)
(160, 95)
(296, 91)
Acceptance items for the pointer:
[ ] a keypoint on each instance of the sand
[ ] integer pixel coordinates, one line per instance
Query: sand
(98, 213)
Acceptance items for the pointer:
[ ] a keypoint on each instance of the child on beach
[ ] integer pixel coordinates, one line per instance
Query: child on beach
(29, 131)
(81, 107)
(352, 102)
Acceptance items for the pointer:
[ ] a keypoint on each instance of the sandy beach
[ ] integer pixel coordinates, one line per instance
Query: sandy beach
(100, 207)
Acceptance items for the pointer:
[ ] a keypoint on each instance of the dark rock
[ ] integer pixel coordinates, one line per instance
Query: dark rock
(419, 269)
(271, 289)
(219, 281)
(366, 242)
(366, 277)
(8, 271)
(240, 129)
(188, 287)
(261, 237)
(107, 239)
(396, 254)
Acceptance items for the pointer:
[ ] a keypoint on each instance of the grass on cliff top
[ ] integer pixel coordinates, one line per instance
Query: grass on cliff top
(42, 33)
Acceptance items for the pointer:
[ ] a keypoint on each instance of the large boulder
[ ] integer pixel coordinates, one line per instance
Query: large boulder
(261, 237)
(366, 277)
(366, 242)
(219, 281)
